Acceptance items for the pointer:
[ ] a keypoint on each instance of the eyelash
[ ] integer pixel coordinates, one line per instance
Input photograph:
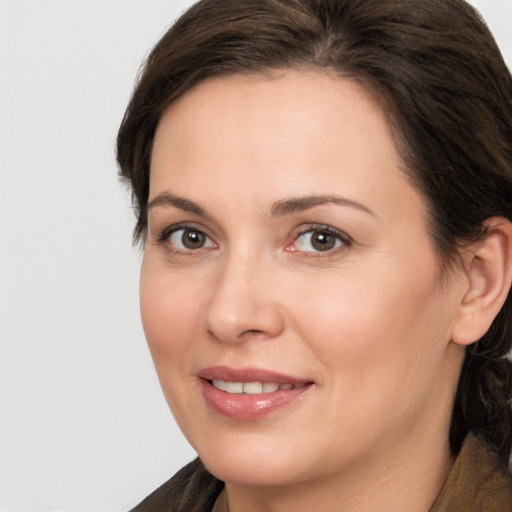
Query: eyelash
(342, 237)
(167, 232)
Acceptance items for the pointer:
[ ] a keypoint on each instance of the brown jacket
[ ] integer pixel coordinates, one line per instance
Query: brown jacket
(476, 483)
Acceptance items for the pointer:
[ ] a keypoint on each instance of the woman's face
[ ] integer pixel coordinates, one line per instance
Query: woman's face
(288, 257)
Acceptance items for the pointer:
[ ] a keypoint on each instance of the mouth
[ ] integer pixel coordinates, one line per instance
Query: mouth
(249, 394)
(253, 388)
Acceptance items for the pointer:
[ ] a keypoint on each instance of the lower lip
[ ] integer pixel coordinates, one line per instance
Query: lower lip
(244, 407)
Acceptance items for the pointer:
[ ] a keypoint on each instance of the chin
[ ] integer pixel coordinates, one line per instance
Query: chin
(262, 471)
(255, 459)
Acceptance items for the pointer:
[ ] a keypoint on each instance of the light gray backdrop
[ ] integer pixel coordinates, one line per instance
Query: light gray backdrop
(83, 424)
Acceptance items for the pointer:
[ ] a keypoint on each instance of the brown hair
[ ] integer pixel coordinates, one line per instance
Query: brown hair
(436, 71)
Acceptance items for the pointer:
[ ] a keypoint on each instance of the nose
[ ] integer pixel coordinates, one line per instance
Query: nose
(243, 303)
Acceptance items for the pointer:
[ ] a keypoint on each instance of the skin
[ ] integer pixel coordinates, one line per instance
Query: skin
(368, 322)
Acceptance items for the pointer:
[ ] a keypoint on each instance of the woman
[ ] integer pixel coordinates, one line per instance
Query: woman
(324, 194)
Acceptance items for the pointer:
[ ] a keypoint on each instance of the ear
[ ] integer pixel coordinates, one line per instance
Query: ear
(488, 269)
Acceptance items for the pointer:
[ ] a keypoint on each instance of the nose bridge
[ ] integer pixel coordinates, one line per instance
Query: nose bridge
(242, 303)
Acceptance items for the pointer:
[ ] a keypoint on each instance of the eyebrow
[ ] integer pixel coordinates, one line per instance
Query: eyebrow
(168, 199)
(299, 204)
(279, 208)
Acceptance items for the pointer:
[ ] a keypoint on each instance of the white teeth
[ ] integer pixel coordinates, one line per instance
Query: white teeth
(219, 384)
(234, 387)
(269, 387)
(252, 388)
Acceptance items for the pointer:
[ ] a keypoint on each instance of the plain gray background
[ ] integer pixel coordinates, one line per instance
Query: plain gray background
(83, 424)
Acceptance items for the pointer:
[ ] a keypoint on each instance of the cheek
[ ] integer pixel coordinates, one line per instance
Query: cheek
(169, 311)
(340, 314)
(377, 345)
(373, 321)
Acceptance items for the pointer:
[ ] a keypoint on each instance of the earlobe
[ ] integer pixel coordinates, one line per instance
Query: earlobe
(488, 268)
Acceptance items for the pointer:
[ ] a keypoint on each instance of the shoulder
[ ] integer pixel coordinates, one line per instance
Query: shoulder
(192, 489)
(478, 481)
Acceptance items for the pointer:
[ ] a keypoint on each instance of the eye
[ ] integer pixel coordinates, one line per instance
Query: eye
(188, 239)
(322, 239)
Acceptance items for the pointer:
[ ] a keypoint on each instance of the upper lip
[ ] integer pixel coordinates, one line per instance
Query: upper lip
(229, 374)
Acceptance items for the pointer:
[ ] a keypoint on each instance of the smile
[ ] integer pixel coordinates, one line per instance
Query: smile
(253, 388)
(250, 394)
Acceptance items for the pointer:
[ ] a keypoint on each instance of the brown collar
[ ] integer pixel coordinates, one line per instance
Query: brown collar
(478, 482)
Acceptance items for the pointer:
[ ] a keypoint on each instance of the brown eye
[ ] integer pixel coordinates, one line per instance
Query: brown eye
(320, 240)
(193, 239)
(189, 239)
(323, 241)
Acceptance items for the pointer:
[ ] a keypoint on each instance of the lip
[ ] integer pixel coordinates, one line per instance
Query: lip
(244, 407)
(247, 375)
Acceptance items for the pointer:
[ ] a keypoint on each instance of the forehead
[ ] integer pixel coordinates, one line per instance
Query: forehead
(305, 96)
(292, 132)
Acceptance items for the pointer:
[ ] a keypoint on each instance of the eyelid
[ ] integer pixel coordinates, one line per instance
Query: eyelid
(324, 227)
(345, 239)
(164, 234)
